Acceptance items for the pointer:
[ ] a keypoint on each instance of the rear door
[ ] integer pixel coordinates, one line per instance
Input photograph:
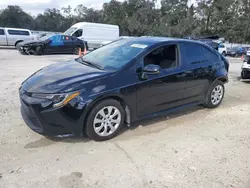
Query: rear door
(70, 44)
(199, 63)
(3, 39)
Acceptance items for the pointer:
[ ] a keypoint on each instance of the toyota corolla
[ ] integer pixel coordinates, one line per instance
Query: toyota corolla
(120, 83)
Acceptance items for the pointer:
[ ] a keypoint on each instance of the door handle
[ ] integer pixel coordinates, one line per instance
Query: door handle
(189, 72)
(181, 75)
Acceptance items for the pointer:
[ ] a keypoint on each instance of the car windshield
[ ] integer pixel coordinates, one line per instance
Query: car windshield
(115, 55)
(46, 37)
(70, 31)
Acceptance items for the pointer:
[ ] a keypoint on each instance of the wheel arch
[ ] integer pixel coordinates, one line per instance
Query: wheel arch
(114, 97)
(223, 79)
(18, 42)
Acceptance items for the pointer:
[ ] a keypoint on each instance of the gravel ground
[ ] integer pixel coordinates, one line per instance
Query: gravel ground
(193, 148)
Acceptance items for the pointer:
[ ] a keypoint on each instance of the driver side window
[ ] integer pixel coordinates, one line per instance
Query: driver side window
(78, 33)
(165, 57)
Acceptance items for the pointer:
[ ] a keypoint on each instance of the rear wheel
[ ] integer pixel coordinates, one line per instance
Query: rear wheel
(105, 120)
(224, 53)
(215, 95)
(76, 50)
(243, 75)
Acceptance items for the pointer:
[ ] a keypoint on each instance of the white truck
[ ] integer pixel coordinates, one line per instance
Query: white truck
(94, 33)
(13, 36)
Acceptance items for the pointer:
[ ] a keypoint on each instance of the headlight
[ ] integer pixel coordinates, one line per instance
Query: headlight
(58, 99)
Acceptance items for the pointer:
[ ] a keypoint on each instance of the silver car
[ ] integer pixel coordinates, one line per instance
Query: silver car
(13, 36)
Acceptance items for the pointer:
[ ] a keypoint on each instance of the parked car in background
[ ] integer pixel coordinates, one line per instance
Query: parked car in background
(13, 36)
(94, 33)
(236, 51)
(222, 49)
(55, 44)
(120, 83)
(245, 69)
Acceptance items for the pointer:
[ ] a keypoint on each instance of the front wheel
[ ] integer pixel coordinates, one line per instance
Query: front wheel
(215, 95)
(105, 120)
(39, 50)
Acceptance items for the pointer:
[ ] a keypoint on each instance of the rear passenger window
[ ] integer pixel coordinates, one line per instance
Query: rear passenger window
(1, 32)
(18, 32)
(24, 33)
(210, 55)
(194, 53)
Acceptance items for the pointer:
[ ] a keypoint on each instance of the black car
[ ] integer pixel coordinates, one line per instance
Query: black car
(120, 83)
(55, 44)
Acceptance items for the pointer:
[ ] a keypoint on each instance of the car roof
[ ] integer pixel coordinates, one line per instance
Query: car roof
(155, 40)
(19, 29)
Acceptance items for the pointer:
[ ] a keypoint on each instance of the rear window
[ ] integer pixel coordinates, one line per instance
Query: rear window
(18, 32)
(210, 55)
(196, 53)
(1, 32)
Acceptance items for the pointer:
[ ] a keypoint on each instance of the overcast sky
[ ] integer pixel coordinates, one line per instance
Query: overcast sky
(37, 6)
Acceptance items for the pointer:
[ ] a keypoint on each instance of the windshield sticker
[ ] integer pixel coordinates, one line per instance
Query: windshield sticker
(139, 46)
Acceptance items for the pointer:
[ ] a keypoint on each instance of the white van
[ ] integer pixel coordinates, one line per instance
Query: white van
(222, 49)
(13, 36)
(94, 33)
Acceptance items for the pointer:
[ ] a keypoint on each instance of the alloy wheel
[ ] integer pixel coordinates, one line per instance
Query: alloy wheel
(217, 95)
(107, 121)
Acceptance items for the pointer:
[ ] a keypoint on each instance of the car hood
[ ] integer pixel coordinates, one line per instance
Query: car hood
(62, 77)
(29, 42)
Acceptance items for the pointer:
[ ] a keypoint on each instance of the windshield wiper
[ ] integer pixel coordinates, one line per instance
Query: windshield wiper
(92, 64)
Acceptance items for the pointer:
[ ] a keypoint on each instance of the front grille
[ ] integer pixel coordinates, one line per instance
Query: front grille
(30, 117)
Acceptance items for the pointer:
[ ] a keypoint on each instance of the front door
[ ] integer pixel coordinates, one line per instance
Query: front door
(55, 46)
(165, 90)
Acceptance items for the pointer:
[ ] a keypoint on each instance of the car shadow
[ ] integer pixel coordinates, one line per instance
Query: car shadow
(47, 141)
(167, 116)
(7, 48)
(155, 120)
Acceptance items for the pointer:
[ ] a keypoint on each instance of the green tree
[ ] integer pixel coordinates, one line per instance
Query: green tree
(14, 16)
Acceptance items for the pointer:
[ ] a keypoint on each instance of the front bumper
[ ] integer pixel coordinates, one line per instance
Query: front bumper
(245, 73)
(231, 53)
(51, 122)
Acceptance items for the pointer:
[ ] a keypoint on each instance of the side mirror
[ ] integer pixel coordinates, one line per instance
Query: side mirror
(49, 41)
(152, 69)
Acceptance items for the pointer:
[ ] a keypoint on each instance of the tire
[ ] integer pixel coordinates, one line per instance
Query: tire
(39, 50)
(100, 120)
(76, 51)
(243, 75)
(224, 53)
(210, 99)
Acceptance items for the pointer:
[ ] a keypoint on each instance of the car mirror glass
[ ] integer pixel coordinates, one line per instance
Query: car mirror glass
(152, 69)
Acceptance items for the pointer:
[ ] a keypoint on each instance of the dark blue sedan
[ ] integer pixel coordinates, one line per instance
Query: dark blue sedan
(55, 44)
(120, 83)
